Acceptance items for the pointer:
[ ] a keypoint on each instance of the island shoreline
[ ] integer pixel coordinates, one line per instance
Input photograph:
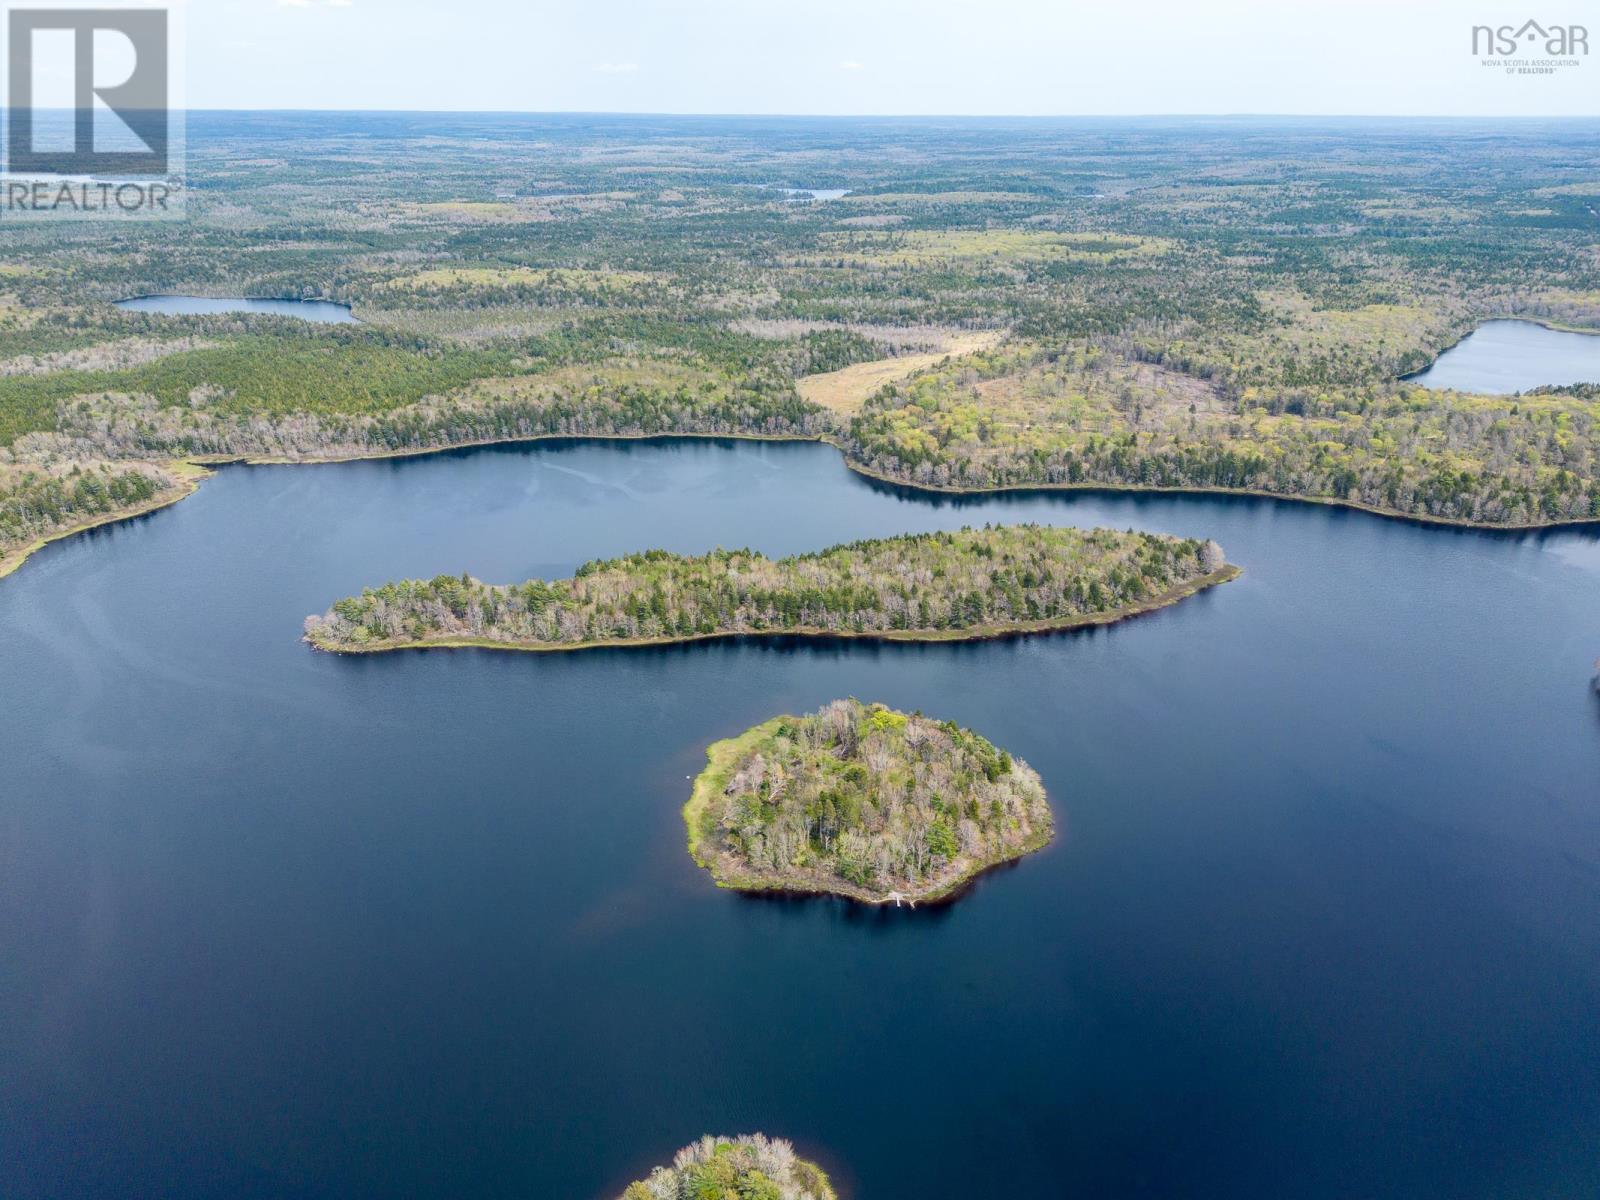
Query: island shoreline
(721, 756)
(983, 633)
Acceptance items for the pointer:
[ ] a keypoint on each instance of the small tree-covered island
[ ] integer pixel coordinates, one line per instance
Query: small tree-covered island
(751, 1167)
(862, 801)
(974, 583)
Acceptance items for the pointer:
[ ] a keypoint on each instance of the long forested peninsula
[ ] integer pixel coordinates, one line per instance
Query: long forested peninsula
(970, 584)
(861, 801)
(751, 1167)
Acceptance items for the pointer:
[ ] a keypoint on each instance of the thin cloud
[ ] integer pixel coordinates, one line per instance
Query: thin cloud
(618, 68)
(851, 64)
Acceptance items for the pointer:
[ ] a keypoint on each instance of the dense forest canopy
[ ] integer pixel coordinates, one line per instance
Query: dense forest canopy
(970, 583)
(751, 1167)
(1140, 303)
(863, 801)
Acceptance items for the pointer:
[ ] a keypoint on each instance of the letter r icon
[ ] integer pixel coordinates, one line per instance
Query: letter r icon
(92, 63)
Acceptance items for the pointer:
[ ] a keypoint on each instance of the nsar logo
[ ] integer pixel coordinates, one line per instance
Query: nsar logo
(1531, 48)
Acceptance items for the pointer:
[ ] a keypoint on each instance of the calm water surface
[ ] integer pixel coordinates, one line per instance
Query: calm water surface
(321, 312)
(1321, 922)
(1512, 356)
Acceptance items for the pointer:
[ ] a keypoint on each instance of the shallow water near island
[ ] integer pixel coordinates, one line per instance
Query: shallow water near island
(1320, 918)
(319, 312)
(1500, 357)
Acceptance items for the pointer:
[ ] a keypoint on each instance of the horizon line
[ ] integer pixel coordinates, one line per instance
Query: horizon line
(897, 116)
(863, 116)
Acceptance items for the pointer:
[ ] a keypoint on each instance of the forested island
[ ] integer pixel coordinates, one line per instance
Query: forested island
(974, 583)
(1210, 307)
(750, 1167)
(862, 801)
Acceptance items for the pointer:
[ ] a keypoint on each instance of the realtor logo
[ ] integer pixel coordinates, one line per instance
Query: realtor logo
(101, 85)
(94, 116)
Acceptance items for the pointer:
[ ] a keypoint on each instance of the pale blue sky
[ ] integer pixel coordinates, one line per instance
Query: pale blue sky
(1030, 57)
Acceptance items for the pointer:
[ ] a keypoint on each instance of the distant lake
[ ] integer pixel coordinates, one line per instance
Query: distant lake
(803, 194)
(816, 193)
(323, 312)
(1500, 357)
(277, 925)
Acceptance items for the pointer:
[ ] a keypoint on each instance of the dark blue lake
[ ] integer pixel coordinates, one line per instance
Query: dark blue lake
(1321, 921)
(321, 312)
(1500, 357)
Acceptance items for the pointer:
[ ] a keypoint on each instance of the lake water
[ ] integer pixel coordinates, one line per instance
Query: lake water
(803, 194)
(1512, 356)
(322, 312)
(1321, 920)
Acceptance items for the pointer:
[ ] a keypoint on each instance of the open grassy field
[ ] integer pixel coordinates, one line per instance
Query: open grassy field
(844, 391)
